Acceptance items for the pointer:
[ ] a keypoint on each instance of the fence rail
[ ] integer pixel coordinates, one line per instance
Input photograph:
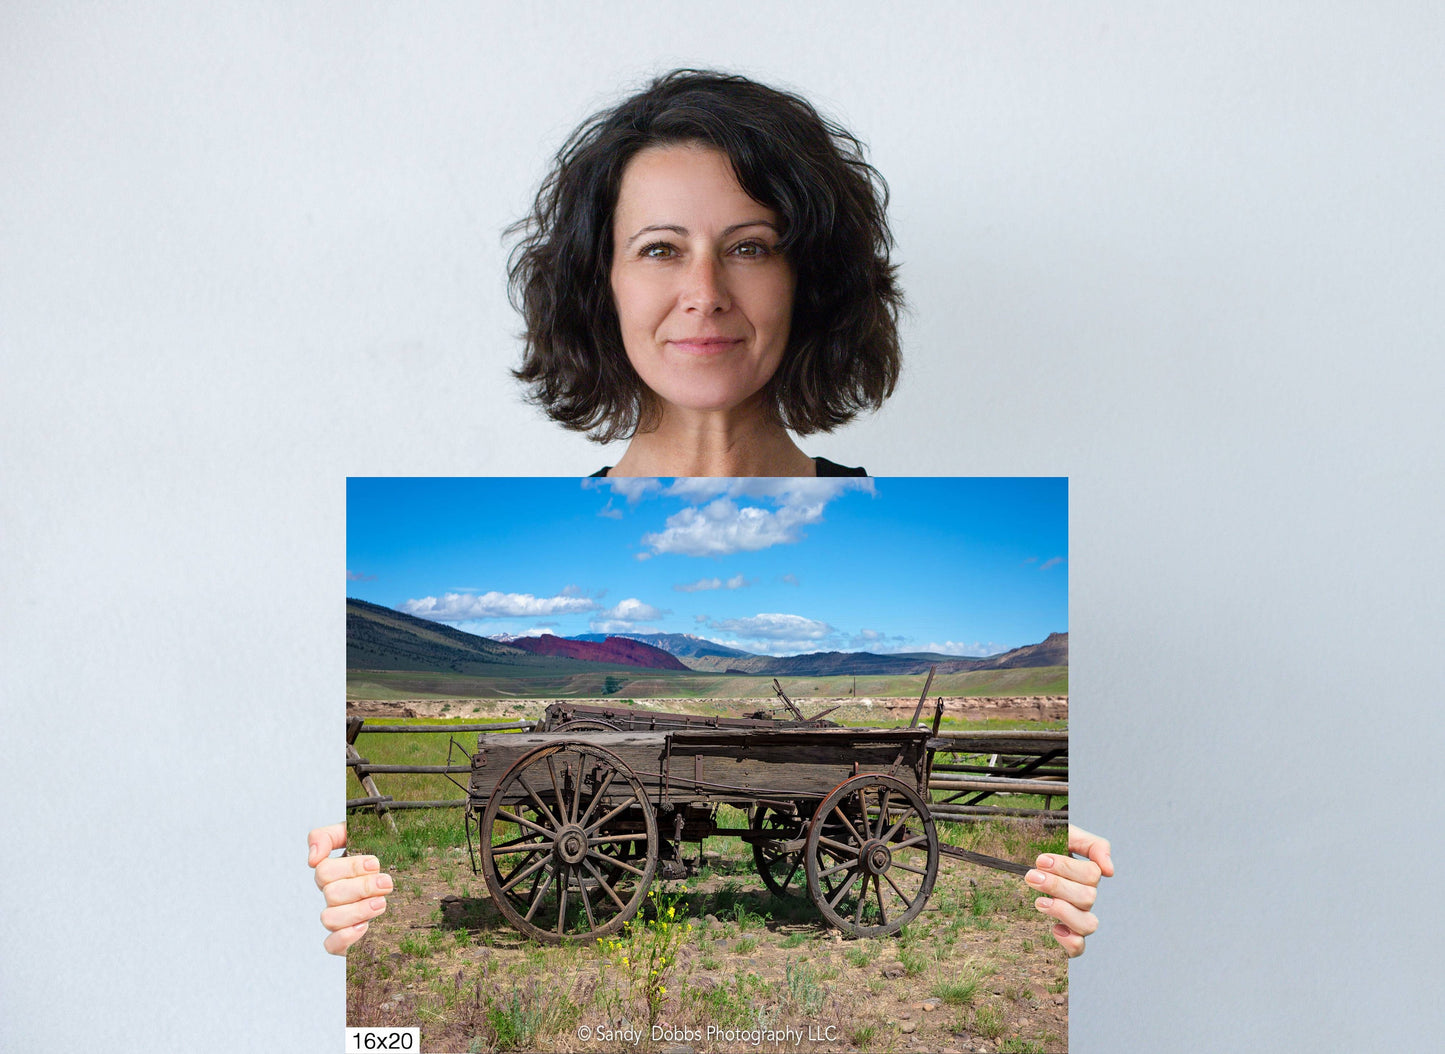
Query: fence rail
(1013, 755)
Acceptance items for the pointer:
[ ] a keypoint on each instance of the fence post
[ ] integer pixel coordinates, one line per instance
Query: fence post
(353, 727)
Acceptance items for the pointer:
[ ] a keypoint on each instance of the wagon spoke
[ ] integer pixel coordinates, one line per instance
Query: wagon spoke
(907, 900)
(557, 790)
(598, 824)
(520, 864)
(518, 844)
(520, 821)
(526, 870)
(878, 889)
(586, 903)
(917, 839)
(531, 847)
(565, 881)
(892, 831)
(843, 851)
(602, 790)
(882, 812)
(541, 805)
(608, 839)
(615, 862)
(849, 824)
(911, 870)
(541, 892)
(847, 865)
(603, 883)
(838, 895)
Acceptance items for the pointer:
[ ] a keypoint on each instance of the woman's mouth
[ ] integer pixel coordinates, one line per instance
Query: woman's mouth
(705, 345)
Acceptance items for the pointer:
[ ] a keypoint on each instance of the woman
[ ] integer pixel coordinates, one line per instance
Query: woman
(705, 271)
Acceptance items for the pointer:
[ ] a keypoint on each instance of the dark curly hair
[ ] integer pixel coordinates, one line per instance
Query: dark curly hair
(842, 355)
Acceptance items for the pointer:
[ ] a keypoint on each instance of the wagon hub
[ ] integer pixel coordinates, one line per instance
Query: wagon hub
(572, 844)
(876, 857)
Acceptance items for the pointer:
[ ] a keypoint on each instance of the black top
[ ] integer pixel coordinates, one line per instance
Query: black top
(821, 465)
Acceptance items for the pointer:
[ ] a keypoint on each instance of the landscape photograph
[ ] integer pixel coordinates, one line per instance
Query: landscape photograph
(708, 764)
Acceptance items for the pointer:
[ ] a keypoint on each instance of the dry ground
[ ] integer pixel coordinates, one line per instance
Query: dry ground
(977, 971)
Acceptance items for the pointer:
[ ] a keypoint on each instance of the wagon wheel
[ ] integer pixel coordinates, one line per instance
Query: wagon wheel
(569, 843)
(871, 855)
(782, 872)
(586, 724)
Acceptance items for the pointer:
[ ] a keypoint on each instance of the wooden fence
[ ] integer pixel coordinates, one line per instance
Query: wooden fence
(1018, 762)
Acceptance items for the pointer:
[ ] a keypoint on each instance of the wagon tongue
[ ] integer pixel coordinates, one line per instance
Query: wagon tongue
(985, 861)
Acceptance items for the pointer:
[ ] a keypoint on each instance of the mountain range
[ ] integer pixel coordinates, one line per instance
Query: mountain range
(379, 638)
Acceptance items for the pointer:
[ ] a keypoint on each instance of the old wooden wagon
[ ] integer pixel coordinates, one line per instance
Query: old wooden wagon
(573, 826)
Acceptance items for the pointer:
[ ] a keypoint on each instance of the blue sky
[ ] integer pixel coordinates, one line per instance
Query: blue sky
(774, 566)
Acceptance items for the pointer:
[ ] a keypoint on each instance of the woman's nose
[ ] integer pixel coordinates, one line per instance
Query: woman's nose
(705, 286)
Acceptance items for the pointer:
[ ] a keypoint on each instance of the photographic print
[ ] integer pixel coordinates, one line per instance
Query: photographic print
(709, 764)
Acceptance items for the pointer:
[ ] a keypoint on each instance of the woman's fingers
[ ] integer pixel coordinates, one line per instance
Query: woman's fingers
(344, 916)
(1070, 941)
(350, 890)
(1076, 893)
(1075, 881)
(1078, 922)
(1093, 847)
(321, 842)
(334, 868)
(337, 943)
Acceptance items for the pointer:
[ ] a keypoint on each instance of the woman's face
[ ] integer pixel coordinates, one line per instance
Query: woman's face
(703, 296)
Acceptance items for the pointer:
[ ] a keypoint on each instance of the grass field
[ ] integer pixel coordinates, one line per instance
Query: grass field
(650, 684)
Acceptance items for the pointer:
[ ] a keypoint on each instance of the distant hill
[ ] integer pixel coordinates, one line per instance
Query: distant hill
(622, 650)
(1053, 651)
(683, 645)
(378, 638)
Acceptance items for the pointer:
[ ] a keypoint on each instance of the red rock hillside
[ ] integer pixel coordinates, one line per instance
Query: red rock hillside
(614, 649)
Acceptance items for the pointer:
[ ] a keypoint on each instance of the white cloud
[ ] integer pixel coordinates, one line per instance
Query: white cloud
(456, 607)
(1052, 561)
(715, 523)
(357, 576)
(780, 490)
(976, 650)
(772, 626)
(626, 616)
(631, 488)
(721, 528)
(610, 512)
(788, 579)
(735, 582)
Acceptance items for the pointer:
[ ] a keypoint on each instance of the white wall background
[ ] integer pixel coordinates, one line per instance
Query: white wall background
(1188, 255)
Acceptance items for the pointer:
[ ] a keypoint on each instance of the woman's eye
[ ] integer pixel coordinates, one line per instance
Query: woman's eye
(751, 249)
(657, 251)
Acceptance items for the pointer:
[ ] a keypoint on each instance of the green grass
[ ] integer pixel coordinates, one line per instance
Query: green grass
(957, 993)
(803, 988)
(1019, 1045)
(580, 680)
(988, 1021)
(913, 960)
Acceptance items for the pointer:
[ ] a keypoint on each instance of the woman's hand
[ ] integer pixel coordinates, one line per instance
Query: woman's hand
(1071, 886)
(354, 887)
